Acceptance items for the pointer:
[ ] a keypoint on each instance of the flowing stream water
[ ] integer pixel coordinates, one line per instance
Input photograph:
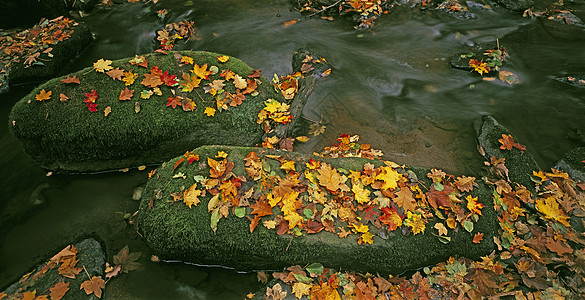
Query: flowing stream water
(391, 84)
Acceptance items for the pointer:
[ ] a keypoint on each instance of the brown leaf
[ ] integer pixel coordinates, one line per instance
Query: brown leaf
(127, 260)
(116, 73)
(559, 247)
(151, 80)
(405, 200)
(126, 94)
(58, 290)
(477, 238)
(465, 184)
(70, 79)
(94, 286)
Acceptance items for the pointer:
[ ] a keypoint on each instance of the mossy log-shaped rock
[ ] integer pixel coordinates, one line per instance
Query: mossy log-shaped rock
(67, 135)
(172, 230)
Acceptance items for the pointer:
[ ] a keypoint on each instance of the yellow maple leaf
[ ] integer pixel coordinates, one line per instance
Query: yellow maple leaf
(291, 203)
(390, 178)
(129, 78)
(272, 105)
(414, 221)
(43, 95)
(102, 65)
(540, 174)
(550, 208)
(221, 154)
(223, 59)
(361, 228)
(190, 195)
(366, 238)
(273, 201)
(288, 165)
(270, 224)
(474, 206)
(294, 219)
(479, 67)
(324, 292)
(300, 289)
(202, 71)
(190, 82)
(329, 177)
(209, 111)
(362, 195)
(187, 60)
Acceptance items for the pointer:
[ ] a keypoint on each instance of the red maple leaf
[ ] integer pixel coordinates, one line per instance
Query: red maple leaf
(91, 97)
(174, 101)
(91, 106)
(167, 79)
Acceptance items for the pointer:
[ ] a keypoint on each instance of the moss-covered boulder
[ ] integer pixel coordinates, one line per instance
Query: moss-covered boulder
(268, 209)
(143, 110)
(574, 163)
(65, 272)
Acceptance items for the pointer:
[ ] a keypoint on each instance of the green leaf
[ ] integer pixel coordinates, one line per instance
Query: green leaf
(302, 278)
(214, 219)
(307, 213)
(438, 186)
(240, 212)
(199, 178)
(468, 225)
(315, 268)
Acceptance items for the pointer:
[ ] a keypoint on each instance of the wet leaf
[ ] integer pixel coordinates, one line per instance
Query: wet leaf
(477, 238)
(70, 79)
(58, 290)
(127, 260)
(101, 66)
(94, 286)
(43, 95)
(116, 73)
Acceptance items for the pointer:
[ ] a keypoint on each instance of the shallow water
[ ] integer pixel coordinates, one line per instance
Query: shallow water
(392, 85)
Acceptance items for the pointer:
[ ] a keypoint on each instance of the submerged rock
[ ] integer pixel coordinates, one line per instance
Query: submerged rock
(60, 271)
(139, 111)
(173, 230)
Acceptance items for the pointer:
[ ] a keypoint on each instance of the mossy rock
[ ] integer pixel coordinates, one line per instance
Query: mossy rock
(516, 5)
(573, 163)
(92, 261)
(174, 231)
(68, 136)
(520, 164)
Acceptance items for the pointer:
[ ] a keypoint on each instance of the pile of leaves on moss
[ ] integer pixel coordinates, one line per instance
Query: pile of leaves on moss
(539, 255)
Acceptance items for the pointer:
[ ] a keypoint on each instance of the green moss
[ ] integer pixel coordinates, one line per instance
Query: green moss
(67, 136)
(520, 164)
(174, 231)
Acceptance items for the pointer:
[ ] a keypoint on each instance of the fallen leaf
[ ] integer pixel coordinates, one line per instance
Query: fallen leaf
(126, 94)
(209, 111)
(223, 58)
(441, 228)
(58, 290)
(70, 79)
(94, 286)
(107, 111)
(43, 95)
(289, 23)
(101, 66)
(477, 238)
(116, 73)
(127, 260)
(190, 195)
(63, 97)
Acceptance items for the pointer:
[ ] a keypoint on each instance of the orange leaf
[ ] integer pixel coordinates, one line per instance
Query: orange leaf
(405, 200)
(465, 184)
(70, 79)
(43, 95)
(126, 94)
(151, 80)
(58, 290)
(116, 73)
(178, 162)
(559, 247)
(94, 286)
(477, 238)
(202, 71)
(261, 208)
(63, 97)
(102, 65)
(223, 58)
(289, 23)
(107, 111)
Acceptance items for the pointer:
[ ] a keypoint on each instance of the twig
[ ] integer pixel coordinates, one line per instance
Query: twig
(289, 243)
(324, 9)
(88, 277)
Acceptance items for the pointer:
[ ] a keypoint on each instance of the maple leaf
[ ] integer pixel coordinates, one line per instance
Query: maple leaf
(116, 73)
(209, 111)
(217, 84)
(190, 195)
(300, 289)
(329, 178)
(28, 295)
(275, 293)
(391, 218)
(477, 238)
(102, 65)
(439, 198)
(324, 292)
(168, 80)
(43, 95)
(126, 94)
(550, 208)
(414, 221)
(390, 177)
(91, 106)
(507, 142)
(58, 290)
(239, 82)
(188, 104)
(236, 99)
(294, 219)
(190, 82)
(223, 58)
(441, 228)
(94, 286)
(474, 206)
(361, 195)
(151, 80)
(202, 71)
(139, 61)
(173, 101)
(405, 200)
(228, 74)
(464, 184)
(252, 85)
(187, 60)
(127, 260)
(191, 157)
(63, 97)
(479, 67)
(216, 168)
(70, 79)
(91, 97)
(129, 78)
(559, 247)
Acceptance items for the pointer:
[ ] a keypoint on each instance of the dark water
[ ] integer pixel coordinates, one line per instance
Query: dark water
(392, 85)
